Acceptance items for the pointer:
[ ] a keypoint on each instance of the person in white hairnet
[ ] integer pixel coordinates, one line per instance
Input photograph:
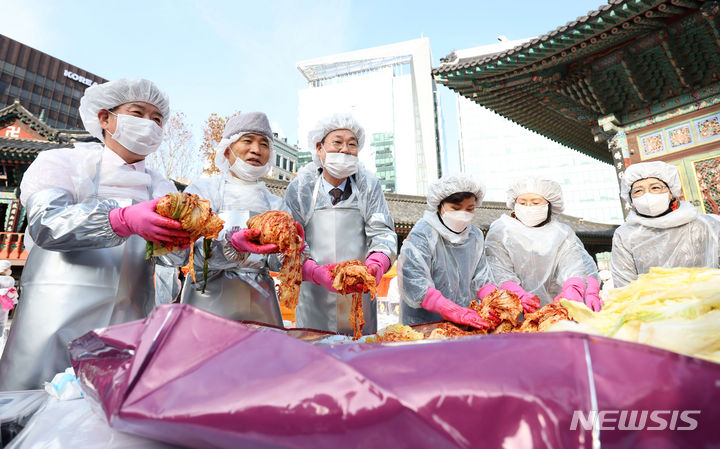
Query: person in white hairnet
(442, 264)
(535, 256)
(239, 285)
(660, 230)
(343, 210)
(90, 210)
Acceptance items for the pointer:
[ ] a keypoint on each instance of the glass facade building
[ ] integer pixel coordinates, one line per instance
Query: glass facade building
(383, 145)
(48, 87)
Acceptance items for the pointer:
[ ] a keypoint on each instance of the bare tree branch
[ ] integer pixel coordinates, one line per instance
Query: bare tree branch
(176, 158)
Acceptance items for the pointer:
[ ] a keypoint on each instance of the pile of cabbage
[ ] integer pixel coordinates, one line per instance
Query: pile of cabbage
(677, 309)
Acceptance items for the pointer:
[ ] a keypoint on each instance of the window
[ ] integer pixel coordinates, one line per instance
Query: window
(277, 160)
(8, 68)
(291, 166)
(284, 163)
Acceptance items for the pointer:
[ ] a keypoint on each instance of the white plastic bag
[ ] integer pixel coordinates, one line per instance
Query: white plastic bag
(72, 424)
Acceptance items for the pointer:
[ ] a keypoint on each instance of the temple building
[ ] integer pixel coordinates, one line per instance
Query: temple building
(22, 137)
(635, 80)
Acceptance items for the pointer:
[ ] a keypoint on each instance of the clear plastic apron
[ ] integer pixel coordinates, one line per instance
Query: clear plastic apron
(334, 235)
(240, 293)
(68, 293)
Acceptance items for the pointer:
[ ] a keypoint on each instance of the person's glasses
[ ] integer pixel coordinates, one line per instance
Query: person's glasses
(653, 188)
(336, 146)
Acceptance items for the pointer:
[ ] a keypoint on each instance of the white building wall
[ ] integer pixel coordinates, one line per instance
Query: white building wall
(499, 152)
(384, 100)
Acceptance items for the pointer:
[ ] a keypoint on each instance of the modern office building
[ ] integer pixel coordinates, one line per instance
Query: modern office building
(499, 151)
(286, 160)
(304, 157)
(390, 90)
(48, 87)
(383, 146)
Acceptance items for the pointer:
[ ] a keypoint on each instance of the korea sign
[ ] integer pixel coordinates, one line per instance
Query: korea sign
(76, 77)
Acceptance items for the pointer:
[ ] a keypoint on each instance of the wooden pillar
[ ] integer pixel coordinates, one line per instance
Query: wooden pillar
(618, 147)
(12, 215)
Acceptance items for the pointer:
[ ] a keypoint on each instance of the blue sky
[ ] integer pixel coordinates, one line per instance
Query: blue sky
(224, 56)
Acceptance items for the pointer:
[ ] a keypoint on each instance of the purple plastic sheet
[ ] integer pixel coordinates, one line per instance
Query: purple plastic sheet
(194, 379)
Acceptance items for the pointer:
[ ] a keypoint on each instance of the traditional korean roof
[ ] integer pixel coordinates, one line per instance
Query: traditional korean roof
(625, 61)
(16, 110)
(24, 151)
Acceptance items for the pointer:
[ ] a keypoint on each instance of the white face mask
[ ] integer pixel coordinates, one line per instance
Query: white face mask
(531, 215)
(652, 204)
(457, 220)
(139, 135)
(340, 165)
(247, 172)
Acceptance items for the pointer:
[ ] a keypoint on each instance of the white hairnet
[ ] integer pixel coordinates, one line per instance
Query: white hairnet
(114, 93)
(329, 124)
(4, 265)
(455, 183)
(238, 126)
(663, 171)
(547, 188)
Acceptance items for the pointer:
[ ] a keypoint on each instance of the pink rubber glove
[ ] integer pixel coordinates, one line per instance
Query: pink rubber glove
(435, 302)
(485, 290)
(572, 289)
(8, 299)
(529, 301)
(242, 241)
(378, 264)
(592, 295)
(141, 219)
(318, 274)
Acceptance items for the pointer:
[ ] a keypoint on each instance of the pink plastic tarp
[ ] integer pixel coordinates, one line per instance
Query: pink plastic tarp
(187, 377)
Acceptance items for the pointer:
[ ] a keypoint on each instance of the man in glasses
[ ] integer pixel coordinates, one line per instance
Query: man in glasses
(661, 230)
(345, 216)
